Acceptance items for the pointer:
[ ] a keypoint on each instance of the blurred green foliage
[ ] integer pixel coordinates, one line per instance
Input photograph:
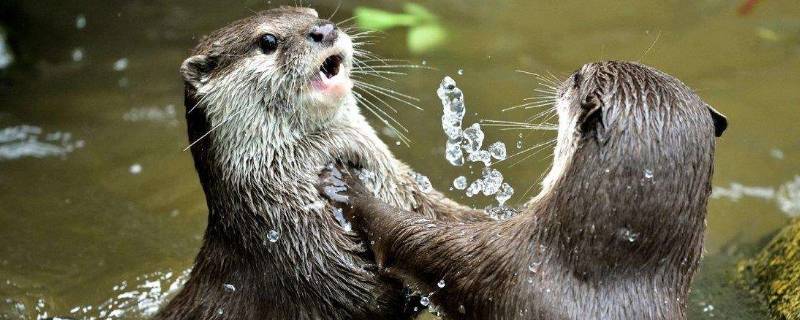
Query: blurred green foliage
(425, 32)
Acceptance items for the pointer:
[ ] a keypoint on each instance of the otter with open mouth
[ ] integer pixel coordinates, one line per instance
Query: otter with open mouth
(269, 105)
(616, 232)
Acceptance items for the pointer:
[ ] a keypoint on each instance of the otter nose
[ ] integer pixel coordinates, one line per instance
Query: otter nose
(323, 33)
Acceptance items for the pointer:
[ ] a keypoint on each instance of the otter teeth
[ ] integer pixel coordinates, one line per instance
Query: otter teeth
(330, 68)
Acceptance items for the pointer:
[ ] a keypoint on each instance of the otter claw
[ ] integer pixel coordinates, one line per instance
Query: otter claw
(332, 193)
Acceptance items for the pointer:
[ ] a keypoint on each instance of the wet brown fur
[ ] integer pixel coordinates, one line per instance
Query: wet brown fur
(258, 173)
(616, 233)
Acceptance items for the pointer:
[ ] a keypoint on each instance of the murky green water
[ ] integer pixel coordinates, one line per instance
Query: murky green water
(102, 221)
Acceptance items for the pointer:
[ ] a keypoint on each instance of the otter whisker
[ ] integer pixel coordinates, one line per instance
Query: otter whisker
(372, 104)
(383, 60)
(405, 140)
(552, 98)
(355, 76)
(658, 36)
(513, 125)
(539, 146)
(374, 72)
(338, 5)
(534, 105)
(542, 147)
(530, 105)
(407, 66)
(552, 82)
(346, 20)
(379, 99)
(544, 91)
(542, 115)
(214, 128)
(554, 77)
(389, 93)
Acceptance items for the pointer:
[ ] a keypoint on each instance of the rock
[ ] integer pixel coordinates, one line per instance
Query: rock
(774, 274)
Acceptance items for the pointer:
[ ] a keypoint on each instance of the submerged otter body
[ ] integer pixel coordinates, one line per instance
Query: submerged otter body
(268, 106)
(616, 232)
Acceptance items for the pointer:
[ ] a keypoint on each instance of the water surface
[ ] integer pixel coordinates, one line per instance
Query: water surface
(101, 211)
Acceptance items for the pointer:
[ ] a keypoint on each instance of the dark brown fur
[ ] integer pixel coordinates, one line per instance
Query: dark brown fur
(263, 179)
(617, 232)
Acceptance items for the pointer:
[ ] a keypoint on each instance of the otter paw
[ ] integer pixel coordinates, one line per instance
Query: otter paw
(332, 186)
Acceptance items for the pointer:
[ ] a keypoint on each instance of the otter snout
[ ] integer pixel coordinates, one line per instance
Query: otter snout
(324, 33)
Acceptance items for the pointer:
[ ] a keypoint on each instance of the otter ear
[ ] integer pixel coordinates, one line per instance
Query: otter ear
(720, 121)
(591, 117)
(195, 69)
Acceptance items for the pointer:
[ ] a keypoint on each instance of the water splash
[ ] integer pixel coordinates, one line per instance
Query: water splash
(470, 141)
(785, 196)
(31, 141)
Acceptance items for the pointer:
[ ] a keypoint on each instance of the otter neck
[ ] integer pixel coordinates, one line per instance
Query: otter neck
(644, 212)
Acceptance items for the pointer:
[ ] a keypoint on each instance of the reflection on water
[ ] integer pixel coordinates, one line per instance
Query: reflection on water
(29, 141)
(787, 196)
(99, 205)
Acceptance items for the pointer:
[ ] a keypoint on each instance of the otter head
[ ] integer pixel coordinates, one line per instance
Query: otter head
(632, 114)
(279, 67)
(633, 165)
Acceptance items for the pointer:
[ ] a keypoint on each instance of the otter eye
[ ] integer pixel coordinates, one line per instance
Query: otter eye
(268, 43)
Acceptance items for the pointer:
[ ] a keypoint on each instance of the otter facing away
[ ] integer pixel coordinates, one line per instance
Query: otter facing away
(269, 104)
(616, 232)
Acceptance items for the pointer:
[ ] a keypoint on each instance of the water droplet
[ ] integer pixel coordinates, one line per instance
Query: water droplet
(423, 183)
(648, 174)
(121, 64)
(440, 284)
(628, 235)
(460, 183)
(776, 153)
(397, 143)
(481, 156)
(498, 150)
(460, 72)
(474, 188)
(229, 287)
(424, 300)
(492, 181)
(505, 193)
(339, 215)
(135, 169)
(453, 152)
(519, 144)
(80, 22)
(473, 138)
(273, 236)
(77, 54)
(462, 309)
(424, 62)
(220, 311)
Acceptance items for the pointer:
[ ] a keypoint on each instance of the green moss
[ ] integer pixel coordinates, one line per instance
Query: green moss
(774, 274)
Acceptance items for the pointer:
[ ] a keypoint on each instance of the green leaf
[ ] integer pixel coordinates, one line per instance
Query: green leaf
(423, 15)
(375, 19)
(425, 38)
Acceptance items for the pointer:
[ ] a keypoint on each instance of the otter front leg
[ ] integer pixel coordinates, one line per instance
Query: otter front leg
(455, 263)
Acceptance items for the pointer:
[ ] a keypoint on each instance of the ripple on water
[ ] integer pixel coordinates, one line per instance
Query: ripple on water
(31, 141)
(786, 196)
(140, 300)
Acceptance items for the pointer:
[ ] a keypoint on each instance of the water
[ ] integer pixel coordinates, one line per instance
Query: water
(75, 225)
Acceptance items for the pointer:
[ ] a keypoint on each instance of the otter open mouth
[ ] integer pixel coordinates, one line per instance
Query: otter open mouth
(331, 79)
(330, 68)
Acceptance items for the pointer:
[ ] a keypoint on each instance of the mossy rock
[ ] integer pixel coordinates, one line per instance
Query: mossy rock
(774, 274)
